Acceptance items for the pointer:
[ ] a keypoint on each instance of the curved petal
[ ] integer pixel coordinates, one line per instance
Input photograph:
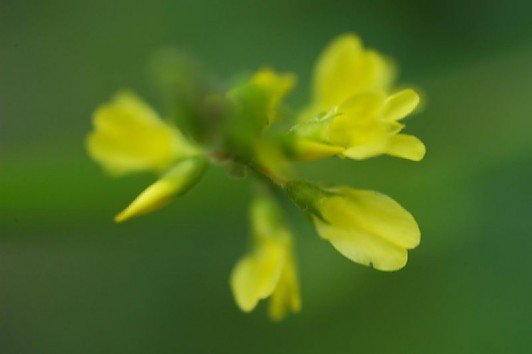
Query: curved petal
(366, 149)
(383, 216)
(406, 146)
(368, 227)
(256, 275)
(357, 128)
(362, 107)
(345, 69)
(363, 247)
(307, 150)
(286, 296)
(400, 105)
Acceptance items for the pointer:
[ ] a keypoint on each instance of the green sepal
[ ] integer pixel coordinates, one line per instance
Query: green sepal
(307, 196)
(186, 173)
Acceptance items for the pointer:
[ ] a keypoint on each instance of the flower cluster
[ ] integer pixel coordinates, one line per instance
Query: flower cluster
(249, 130)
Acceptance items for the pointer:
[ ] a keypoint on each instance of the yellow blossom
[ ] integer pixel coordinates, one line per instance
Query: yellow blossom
(351, 114)
(268, 270)
(364, 126)
(130, 137)
(365, 226)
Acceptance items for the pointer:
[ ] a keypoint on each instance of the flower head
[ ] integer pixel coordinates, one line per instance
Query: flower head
(245, 130)
(268, 270)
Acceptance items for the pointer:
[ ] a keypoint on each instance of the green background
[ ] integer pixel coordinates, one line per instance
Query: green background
(72, 281)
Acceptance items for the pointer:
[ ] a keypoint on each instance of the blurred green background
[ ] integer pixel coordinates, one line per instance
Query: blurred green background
(72, 281)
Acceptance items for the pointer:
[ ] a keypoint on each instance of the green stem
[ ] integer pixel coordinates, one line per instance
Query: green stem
(267, 174)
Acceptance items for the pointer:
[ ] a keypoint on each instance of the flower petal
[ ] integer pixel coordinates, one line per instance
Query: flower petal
(362, 107)
(345, 69)
(307, 150)
(286, 296)
(406, 146)
(369, 148)
(256, 275)
(400, 105)
(357, 128)
(363, 247)
(130, 137)
(368, 227)
(383, 216)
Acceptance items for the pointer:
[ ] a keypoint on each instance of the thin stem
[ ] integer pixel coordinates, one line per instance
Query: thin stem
(279, 181)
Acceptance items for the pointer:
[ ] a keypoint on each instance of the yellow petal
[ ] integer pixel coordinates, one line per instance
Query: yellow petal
(176, 181)
(255, 276)
(286, 296)
(362, 141)
(400, 105)
(345, 69)
(382, 68)
(307, 150)
(363, 247)
(130, 137)
(357, 127)
(383, 216)
(406, 146)
(365, 150)
(368, 227)
(362, 107)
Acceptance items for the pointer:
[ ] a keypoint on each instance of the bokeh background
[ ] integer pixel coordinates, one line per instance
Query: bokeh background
(72, 281)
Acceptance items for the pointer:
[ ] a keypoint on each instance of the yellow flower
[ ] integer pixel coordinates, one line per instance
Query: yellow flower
(345, 69)
(268, 270)
(364, 126)
(365, 226)
(351, 115)
(130, 137)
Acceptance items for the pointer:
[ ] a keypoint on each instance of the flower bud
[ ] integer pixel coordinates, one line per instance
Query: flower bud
(178, 180)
